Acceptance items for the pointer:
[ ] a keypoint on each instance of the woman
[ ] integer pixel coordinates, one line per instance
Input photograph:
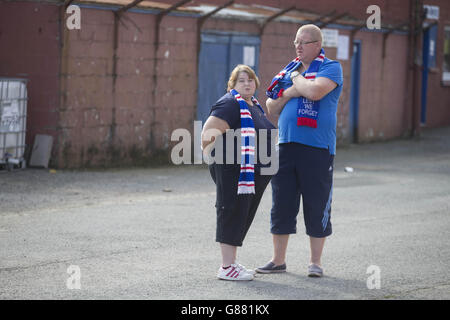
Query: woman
(239, 184)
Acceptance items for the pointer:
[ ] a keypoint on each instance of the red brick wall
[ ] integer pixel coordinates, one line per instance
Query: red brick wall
(382, 110)
(30, 49)
(176, 99)
(87, 93)
(127, 124)
(98, 123)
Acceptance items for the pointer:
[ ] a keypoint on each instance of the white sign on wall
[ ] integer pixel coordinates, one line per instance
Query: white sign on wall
(342, 50)
(432, 12)
(249, 56)
(445, 76)
(330, 38)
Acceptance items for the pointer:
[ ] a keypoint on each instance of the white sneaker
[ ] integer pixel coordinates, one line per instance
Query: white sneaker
(250, 271)
(234, 272)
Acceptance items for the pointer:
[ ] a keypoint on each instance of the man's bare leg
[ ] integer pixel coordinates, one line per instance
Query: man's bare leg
(280, 243)
(316, 245)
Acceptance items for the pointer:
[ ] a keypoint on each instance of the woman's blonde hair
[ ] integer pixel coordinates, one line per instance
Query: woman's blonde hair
(235, 73)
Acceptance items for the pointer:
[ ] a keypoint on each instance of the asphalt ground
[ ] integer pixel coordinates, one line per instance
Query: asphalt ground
(149, 233)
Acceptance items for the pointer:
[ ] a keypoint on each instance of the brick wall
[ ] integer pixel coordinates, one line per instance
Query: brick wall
(99, 119)
(30, 49)
(176, 97)
(382, 113)
(87, 100)
(126, 123)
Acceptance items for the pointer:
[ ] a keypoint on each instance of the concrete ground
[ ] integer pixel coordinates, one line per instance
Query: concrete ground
(149, 233)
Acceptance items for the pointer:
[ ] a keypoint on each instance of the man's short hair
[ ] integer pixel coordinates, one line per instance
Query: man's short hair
(313, 30)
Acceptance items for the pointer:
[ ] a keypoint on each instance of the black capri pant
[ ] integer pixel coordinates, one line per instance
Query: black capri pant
(235, 212)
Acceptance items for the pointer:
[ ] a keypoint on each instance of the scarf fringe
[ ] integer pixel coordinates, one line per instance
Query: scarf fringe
(246, 190)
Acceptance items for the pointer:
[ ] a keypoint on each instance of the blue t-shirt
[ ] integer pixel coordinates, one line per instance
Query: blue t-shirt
(324, 136)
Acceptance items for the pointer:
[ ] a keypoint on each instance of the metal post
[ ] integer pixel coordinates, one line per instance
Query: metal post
(321, 17)
(416, 92)
(272, 17)
(128, 6)
(67, 3)
(158, 20)
(321, 24)
(200, 22)
(117, 16)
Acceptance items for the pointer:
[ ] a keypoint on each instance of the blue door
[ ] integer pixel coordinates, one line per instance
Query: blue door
(354, 91)
(429, 61)
(219, 54)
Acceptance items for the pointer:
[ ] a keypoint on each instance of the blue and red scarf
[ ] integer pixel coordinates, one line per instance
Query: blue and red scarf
(246, 182)
(307, 110)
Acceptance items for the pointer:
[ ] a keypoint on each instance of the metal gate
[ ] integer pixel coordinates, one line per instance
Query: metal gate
(219, 54)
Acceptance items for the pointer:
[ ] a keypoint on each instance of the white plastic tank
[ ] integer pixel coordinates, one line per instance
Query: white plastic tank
(13, 120)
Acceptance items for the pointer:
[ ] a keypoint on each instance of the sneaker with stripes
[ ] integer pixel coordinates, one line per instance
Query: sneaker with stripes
(234, 272)
(245, 269)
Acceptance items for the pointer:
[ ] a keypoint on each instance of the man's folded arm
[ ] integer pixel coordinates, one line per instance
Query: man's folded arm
(313, 90)
(275, 107)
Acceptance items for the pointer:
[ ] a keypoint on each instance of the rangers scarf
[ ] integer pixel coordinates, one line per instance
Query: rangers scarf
(307, 110)
(246, 182)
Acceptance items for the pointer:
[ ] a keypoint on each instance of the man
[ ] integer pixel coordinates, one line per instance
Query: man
(305, 97)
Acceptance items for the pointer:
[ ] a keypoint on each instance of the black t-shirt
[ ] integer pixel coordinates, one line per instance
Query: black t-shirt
(227, 108)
